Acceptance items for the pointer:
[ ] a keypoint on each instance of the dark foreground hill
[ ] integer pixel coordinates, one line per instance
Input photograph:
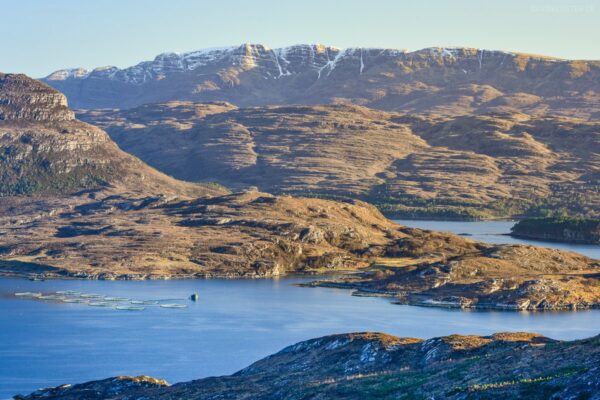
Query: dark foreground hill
(378, 366)
(496, 165)
(457, 81)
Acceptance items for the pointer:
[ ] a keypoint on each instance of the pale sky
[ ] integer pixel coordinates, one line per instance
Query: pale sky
(41, 36)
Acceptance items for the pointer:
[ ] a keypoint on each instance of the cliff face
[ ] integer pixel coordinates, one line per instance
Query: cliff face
(21, 98)
(454, 81)
(374, 365)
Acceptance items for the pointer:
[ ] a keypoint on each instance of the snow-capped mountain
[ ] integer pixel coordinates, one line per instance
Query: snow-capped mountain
(275, 63)
(432, 79)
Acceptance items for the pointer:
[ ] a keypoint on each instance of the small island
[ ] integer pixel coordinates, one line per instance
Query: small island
(559, 229)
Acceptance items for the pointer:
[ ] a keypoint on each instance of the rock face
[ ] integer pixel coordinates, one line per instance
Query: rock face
(456, 81)
(375, 365)
(479, 166)
(21, 98)
(44, 149)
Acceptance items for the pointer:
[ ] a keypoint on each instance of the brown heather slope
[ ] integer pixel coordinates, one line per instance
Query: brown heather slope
(457, 81)
(239, 235)
(379, 366)
(496, 165)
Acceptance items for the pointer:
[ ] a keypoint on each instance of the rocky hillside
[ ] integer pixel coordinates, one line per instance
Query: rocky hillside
(106, 215)
(374, 365)
(45, 150)
(457, 81)
(495, 165)
(102, 214)
(239, 235)
(254, 234)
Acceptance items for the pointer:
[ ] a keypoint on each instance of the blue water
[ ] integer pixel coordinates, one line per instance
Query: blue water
(235, 323)
(496, 232)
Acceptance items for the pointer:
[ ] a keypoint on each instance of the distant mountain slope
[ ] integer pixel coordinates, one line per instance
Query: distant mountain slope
(483, 165)
(44, 149)
(455, 81)
(378, 366)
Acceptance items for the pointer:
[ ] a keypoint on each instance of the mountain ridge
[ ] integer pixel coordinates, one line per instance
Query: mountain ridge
(451, 81)
(278, 54)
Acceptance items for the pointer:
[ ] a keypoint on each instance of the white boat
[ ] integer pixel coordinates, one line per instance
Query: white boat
(90, 295)
(144, 302)
(50, 297)
(116, 299)
(173, 306)
(72, 301)
(98, 304)
(130, 308)
(28, 294)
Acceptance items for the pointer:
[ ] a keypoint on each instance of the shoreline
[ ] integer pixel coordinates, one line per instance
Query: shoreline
(405, 299)
(396, 217)
(541, 238)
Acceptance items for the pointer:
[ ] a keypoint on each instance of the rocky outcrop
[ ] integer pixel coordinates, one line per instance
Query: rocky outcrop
(375, 365)
(451, 81)
(479, 276)
(21, 98)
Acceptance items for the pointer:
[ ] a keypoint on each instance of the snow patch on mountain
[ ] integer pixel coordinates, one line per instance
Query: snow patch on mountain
(274, 63)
